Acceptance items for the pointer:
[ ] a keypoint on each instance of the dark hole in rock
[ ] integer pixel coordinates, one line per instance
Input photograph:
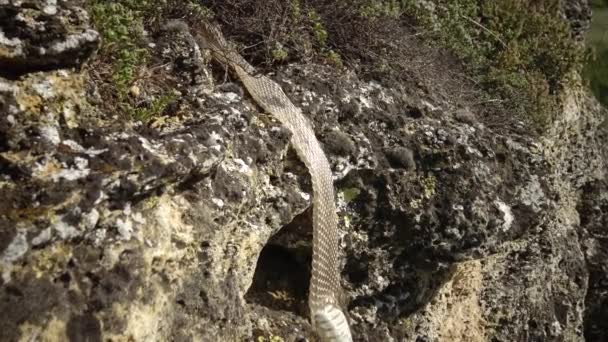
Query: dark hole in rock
(86, 328)
(13, 291)
(414, 112)
(282, 273)
(280, 281)
(64, 278)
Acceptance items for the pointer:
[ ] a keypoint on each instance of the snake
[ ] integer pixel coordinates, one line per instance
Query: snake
(328, 319)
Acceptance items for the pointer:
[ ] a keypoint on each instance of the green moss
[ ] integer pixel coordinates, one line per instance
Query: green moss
(350, 194)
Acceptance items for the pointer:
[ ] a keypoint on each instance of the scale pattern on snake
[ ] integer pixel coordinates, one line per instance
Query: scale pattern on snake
(327, 318)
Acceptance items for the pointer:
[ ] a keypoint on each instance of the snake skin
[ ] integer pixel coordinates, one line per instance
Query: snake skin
(327, 318)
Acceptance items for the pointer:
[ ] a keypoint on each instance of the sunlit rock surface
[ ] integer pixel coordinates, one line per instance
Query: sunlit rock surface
(196, 227)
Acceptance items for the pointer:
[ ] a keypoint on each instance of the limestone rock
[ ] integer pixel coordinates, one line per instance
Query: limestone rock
(43, 35)
(196, 225)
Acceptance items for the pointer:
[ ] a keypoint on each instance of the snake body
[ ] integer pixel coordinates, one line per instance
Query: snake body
(328, 320)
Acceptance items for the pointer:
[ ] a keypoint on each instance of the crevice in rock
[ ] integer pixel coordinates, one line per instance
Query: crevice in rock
(14, 70)
(282, 273)
(593, 212)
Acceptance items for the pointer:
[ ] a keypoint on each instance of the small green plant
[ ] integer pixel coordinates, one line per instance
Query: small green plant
(279, 53)
(296, 9)
(155, 108)
(124, 50)
(121, 26)
(335, 59)
(318, 29)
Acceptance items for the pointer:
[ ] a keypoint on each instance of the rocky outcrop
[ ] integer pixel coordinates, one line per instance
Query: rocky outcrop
(594, 220)
(195, 226)
(43, 35)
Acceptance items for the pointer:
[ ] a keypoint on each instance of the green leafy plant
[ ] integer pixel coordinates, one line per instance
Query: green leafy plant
(155, 108)
(125, 52)
(121, 26)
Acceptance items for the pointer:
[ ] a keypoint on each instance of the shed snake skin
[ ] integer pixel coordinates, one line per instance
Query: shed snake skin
(328, 320)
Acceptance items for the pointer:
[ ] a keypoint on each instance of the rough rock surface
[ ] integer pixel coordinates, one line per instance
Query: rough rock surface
(197, 228)
(42, 35)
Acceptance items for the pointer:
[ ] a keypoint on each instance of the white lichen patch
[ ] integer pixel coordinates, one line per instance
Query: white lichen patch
(43, 237)
(6, 87)
(304, 196)
(342, 167)
(244, 168)
(532, 194)
(65, 230)
(50, 7)
(16, 249)
(45, 88)
(429, 105)
(50, 134)
(81, 163)
(73, 173)
(365, 101)
(91, 219)
(214, 141)
(384, 97)
(125, 228)
(15, 44)
(74, 146)
(218, 202)
(156, 149)
(99, 236)
(73, 41)
(228, 97)
(507, 214)
(138, 218)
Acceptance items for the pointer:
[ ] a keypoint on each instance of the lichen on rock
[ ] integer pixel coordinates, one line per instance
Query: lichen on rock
(42, 35)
